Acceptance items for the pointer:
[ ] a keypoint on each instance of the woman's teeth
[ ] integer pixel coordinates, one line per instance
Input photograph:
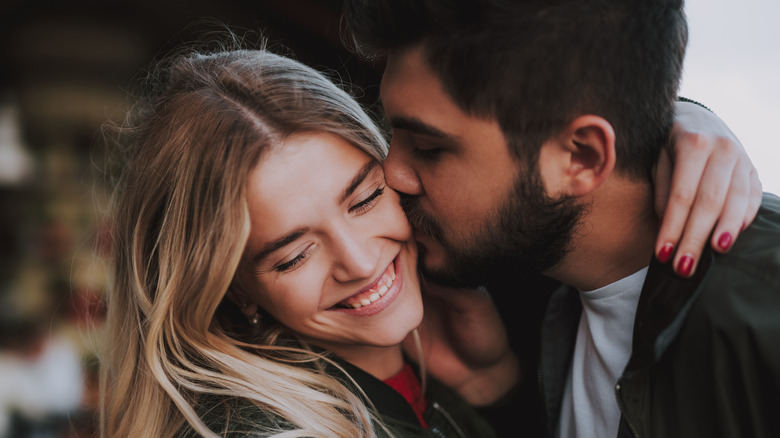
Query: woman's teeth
(373, 294)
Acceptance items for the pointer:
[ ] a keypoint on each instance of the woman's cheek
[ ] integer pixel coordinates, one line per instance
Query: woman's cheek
(395, 218)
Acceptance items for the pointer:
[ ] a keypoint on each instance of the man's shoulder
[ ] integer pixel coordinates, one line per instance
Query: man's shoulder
(716, 368)
(755, 256)
(765, 227)
(744, 284)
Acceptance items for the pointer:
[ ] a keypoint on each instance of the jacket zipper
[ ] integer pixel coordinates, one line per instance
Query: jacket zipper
(449, 419)
(623, 409)
(542, 397)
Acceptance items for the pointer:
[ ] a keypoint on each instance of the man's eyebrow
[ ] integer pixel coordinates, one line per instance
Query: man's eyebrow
(417, 126)
(279, 243)
(359, 177)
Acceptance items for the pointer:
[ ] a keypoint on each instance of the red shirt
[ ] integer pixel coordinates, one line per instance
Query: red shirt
(408, 385)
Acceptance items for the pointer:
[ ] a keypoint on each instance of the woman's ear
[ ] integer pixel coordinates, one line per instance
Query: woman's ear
(580, 159)
(241, 299)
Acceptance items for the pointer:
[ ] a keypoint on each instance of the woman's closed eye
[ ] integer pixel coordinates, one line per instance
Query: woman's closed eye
(366, 204)
(294, 262)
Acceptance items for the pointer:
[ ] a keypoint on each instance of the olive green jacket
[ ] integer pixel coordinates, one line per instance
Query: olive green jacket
(705, 358)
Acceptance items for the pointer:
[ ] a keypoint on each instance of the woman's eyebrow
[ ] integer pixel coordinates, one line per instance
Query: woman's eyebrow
(359, 177)
(279, 243)
(290, 237)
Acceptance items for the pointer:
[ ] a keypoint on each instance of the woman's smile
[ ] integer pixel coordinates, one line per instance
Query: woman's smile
(377, 296)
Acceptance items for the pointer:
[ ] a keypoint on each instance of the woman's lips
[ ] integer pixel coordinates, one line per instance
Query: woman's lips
(374, 293)
(377, 297)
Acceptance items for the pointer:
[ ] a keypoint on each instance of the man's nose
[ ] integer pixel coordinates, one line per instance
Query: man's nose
(399, 174)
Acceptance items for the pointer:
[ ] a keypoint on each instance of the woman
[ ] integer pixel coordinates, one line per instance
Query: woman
(264, 276)
(256, 188)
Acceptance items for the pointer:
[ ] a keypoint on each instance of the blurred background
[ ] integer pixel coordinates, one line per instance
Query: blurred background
(65, 70)
(733, 66)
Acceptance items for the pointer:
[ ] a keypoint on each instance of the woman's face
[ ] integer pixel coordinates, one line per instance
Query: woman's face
(331, 254)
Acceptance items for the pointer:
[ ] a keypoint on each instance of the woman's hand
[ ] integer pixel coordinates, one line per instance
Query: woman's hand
(706, 181)
(465, 344)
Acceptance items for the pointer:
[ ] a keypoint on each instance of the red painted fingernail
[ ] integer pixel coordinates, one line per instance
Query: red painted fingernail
(724, 242)
(685, 265)
(743, 227)
(665, 253)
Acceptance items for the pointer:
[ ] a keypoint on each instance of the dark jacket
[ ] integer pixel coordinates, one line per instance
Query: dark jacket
(448, 416)
(705, 358)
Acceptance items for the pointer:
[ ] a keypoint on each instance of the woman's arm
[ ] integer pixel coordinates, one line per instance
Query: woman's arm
(705, 181)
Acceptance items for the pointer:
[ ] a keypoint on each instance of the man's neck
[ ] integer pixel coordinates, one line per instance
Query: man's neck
(616, 239)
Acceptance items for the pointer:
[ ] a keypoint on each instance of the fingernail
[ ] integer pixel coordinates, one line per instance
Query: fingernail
(743, 227)
(665, 253)
(724, 242)
(685, 265)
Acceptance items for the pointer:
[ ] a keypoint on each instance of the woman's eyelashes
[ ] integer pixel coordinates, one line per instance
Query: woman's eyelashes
(359, 208)
(367, 203)
(295, 262)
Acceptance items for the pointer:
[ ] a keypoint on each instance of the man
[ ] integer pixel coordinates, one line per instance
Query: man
(524, 139)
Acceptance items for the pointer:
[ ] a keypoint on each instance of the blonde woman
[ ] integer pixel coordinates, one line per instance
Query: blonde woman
(264, 276)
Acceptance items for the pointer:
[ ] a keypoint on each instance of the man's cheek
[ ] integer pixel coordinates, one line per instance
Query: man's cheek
(431, 252)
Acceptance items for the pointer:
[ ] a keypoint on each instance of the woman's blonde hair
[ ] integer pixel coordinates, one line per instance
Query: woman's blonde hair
(180, 226)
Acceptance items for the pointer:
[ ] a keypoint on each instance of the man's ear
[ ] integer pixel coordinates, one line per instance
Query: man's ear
(581, 158)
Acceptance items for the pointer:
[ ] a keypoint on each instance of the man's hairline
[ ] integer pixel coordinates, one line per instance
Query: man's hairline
(519, 154)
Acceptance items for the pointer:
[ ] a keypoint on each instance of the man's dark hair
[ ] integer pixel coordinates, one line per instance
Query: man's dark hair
(535, 65)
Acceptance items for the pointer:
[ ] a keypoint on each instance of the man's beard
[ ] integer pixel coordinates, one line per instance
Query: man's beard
(527, 235)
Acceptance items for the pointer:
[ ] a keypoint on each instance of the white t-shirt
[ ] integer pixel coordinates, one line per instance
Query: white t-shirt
(601, 353)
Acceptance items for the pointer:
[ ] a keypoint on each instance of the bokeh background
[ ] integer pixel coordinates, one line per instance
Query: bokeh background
(65, 68)
(733, 66)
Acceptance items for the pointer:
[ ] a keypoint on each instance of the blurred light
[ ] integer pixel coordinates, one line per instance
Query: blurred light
(15, 162)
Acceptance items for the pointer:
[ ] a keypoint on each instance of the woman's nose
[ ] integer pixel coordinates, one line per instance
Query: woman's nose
(353, 258)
